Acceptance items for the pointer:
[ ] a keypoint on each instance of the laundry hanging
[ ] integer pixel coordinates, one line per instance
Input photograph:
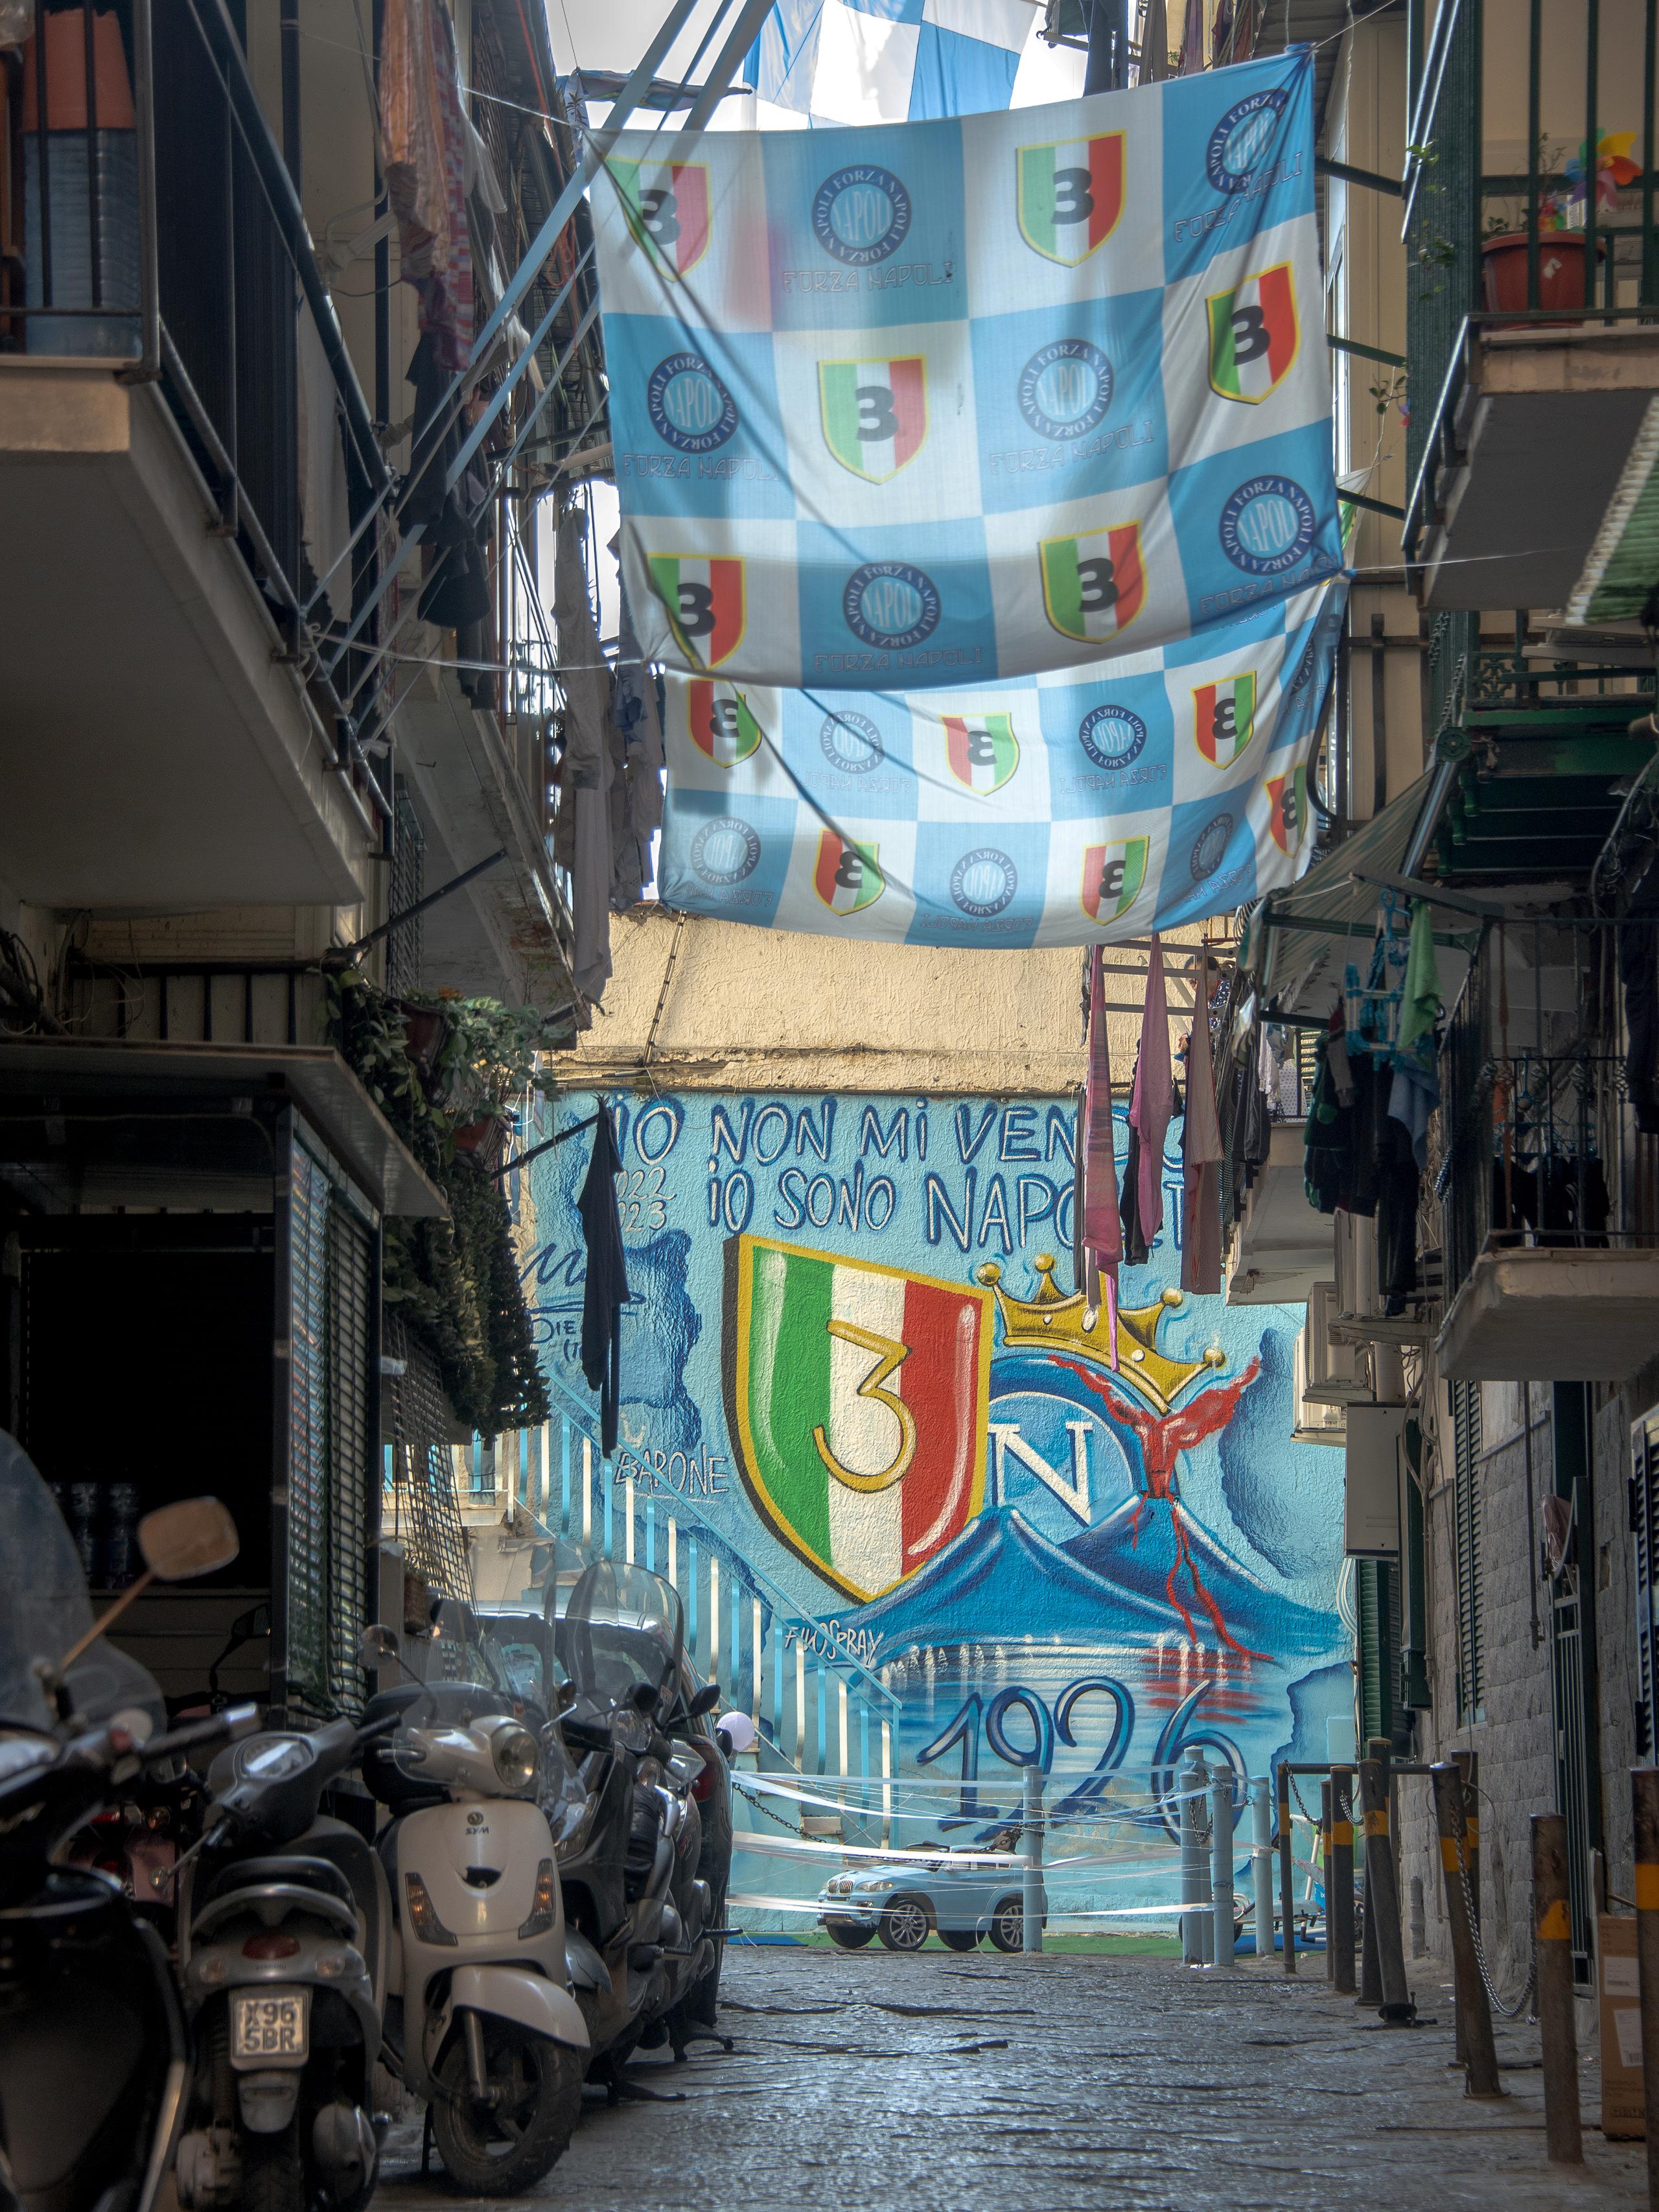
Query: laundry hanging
(944, 402)
(869, 61)
(1076, 809)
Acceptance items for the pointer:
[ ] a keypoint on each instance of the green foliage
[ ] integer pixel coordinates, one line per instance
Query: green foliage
(455, 1282)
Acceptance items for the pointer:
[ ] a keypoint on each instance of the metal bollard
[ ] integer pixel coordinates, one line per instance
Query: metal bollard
(1031, 1854)
(1552, 1932)
(1221, 1867)
(1325, 1874)
(1645, 1808)
(1379, 1749)
(1383, 1898)
(1286, 1868)
(1262, 1864)
(1190, 1781)
(1339, 1887)
(1479, 2053)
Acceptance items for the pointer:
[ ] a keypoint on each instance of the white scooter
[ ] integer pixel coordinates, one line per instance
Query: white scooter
(480, 2021)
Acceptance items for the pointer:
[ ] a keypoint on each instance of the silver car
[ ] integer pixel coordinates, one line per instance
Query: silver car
(962, 1895)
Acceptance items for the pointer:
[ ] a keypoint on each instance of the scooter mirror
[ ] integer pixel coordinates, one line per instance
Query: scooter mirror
(195, 1536)
(564, 1697)
(643, 1697)
(377, 1647)
(705, 1701)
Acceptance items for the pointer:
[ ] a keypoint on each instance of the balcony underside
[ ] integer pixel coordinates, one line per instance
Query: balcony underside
(1542, 430)
(155, 754)
(1283, 1245)
(1554, 1316)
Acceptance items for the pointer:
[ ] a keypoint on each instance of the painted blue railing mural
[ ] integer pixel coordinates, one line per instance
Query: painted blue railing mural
(926, 1533)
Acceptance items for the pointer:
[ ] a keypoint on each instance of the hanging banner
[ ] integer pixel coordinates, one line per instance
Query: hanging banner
(944, 402)
(1074, 809)
(867, 61)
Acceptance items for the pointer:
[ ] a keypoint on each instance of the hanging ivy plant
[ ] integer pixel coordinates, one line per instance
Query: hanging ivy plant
(454, 1282)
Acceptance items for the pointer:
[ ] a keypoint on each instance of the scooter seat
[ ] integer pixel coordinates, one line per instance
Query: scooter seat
(298, 1871)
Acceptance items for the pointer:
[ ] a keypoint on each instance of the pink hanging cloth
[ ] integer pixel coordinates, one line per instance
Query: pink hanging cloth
(1154, 1098)
(1102, 1231)
(1200, 1151)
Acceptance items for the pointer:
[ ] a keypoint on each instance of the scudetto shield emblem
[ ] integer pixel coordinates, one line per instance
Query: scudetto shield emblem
(1255, 335)
(703, 599)
(666, 205)
(982, 751)
(1112, 878)
(846, 876)
(721, 725)
(1224, 718)
(875, 413)
(1070, 196)
(1093, 587)
(1287, 809)
(859, 1402)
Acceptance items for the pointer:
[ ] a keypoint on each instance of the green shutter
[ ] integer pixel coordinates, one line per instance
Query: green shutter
(1466, 1521)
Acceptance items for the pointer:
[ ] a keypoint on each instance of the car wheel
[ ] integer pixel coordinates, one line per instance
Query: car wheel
(849, 1935)
(1008, 1930)
(959, 1939)
(904, 1925)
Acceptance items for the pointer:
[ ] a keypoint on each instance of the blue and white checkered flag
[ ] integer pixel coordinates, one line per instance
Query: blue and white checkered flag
(899, 61)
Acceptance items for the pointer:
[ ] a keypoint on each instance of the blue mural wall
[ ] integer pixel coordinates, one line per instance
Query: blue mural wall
(851, 1349)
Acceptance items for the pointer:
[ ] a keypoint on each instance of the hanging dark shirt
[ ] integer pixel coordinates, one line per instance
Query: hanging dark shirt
(605, 1291)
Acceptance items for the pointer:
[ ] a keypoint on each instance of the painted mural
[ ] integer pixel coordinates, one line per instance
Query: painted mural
(853, 1351)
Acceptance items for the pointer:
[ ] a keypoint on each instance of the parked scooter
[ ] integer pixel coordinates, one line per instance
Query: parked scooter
(289, 1932)
(480, 2024)
(640, 1918)
(94, 2062)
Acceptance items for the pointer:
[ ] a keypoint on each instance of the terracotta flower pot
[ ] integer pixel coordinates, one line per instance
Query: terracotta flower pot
(1561, 269)
(484, 1138)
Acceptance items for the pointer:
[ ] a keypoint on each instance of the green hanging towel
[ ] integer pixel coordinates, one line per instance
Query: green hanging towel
(1422, 1006)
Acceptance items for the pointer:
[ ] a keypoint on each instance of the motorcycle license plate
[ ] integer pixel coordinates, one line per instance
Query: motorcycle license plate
(270, 2031)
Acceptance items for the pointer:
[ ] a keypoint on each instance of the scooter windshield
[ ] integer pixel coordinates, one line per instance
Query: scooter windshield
(469, 1726)
(622, 1627)
(44, 1610)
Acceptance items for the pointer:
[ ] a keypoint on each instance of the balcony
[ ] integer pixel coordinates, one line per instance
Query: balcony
(1533, 302)
(1282, 1245)
(184, 455)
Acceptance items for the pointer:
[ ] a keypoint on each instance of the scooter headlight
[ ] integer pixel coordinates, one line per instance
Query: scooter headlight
(546, 1902)
(516, 1755)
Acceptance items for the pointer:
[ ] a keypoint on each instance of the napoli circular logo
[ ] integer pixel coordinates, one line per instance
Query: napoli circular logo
(690, 408)
(861, 214)
(725, 850)
(890, 604)
(851, 741)
(1241, 139)
(1209, 846)
(1267, 525)
(983, 881)
(1112, 736)
(1065, 389)
(1305, 667)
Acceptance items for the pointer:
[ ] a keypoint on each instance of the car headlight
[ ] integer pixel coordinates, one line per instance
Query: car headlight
(516, 1755)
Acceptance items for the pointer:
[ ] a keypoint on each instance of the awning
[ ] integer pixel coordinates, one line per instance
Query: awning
(1301, 939)
(56, 1070)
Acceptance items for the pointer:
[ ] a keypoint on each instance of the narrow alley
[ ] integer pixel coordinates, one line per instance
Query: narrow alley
(1063, 2083)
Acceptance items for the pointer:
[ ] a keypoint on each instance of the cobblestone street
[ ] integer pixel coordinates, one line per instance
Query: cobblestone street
(941, 2083)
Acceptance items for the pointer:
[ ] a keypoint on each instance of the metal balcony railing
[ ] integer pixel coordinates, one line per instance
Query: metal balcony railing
(1566, 236)
(159, 226)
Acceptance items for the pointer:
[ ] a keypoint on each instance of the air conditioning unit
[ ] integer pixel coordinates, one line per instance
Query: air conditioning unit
(1357, 1295)
(1332, 1374)
(1315, 1423)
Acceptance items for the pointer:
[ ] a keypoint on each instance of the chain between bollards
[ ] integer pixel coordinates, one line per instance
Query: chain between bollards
(1551, 1930)
(1478, 2052)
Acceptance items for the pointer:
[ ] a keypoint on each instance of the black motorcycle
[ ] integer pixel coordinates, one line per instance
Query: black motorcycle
(93, 2051)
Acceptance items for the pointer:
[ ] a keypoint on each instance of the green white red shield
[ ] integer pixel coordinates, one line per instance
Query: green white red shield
(1224, 718)
(982, 751)
(721, 725)
(860, 1401)
(1112, 877)
(1255, 335)
(846, 876)
(1287, 809)
(1070, 195)
(874, 413)
(1093, 586)
(703, 599)
(666, 205)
